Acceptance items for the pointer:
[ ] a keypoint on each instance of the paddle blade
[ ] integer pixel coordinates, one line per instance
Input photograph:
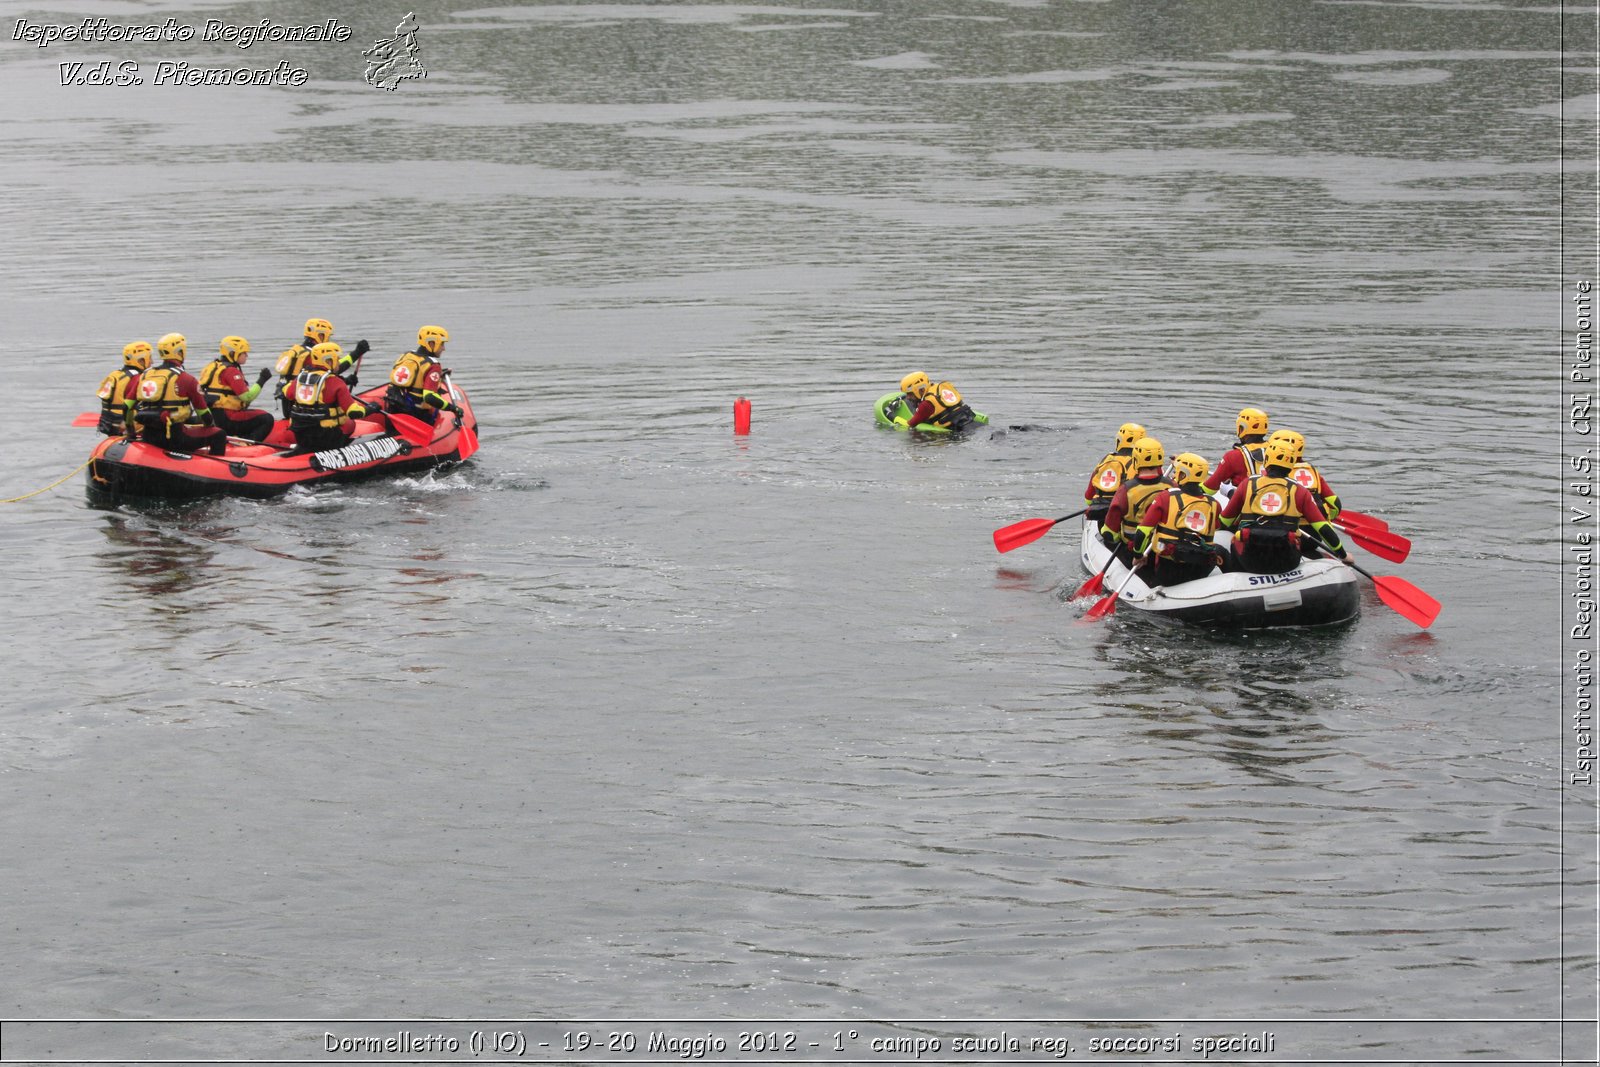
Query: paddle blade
(1381, 543)
(414, 430)
(1092, 586)
(1362, 519)
(1021, 533)
(1407, 599)
(88, 418)
(469, 436)
(1103, 607)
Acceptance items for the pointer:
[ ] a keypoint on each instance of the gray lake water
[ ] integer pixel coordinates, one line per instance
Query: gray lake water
(633, 719)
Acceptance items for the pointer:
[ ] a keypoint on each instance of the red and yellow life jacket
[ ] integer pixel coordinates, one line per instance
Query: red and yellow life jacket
(307, 406)
(1306, 475)
(158, 391)
(1190, 518)
(948, 407)
(113, 394)
(292, 361)
(1109, 474)
(409, 377)
(1269, 501)
(219, 395)
(1253, 455)
(1139, 495)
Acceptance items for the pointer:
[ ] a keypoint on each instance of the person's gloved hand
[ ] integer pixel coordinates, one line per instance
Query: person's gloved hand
(351, 382)
(361, 348)
(266, 372)
(1108, 539)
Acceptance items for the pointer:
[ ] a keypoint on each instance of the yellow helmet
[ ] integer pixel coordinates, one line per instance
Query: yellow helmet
(172, 347)
(433, 338)
(325, 356)
(914, 383)
(1281, 451)
(234, 349)
(1295, 439)
(1188, 467)
(136, 354)
(1251, 421)
(1128, 433)
(319, 330)
(1147, 452)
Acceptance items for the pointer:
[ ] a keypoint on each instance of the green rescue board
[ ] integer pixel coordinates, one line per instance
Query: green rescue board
(890, 411)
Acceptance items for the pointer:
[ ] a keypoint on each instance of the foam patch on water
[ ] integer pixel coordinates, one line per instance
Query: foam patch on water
(1379, 57)
(1345, 177)
(1038, 77)
(899, 61)
(1411, 76)
(765, 27)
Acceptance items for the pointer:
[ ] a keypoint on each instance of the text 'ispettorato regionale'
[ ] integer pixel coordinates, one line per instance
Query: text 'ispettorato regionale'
(101, 30)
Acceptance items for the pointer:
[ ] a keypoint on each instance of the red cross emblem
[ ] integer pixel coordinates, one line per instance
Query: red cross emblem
(1195, 519)
(305, 393)
(402, 375)
(1304, 477)
(948, 396)
(149, 389)
(1271, 502)
(1108, 479)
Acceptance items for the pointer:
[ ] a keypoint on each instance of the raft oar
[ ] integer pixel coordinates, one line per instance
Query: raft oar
(1106, 605)
(1363, 520)
(1403, 597)
(1382, 543)
(414, 430)
(469, 437)
(1097, 583)
(1027, 531)
(88, 418)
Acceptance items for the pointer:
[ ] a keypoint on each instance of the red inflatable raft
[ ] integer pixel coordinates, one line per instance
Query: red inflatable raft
(123, 468)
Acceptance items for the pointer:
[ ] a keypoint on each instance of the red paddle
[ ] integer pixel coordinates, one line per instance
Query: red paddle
(1381, 543)
(88, 418)
(1095, 584)
(469, 436)
(1106, 605)
(1363, 520)
(412, 429)
(1027, 531)
(1404, 597)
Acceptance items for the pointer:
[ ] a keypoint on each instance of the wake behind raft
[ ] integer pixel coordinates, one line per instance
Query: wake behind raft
(120, 468)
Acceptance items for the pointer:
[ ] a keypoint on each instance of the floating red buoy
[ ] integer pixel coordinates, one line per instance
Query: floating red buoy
(741, 416)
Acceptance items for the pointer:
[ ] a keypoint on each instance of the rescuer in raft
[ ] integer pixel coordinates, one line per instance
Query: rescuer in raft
(1133, 496)
(1178, 526)
(170, 408)
(416, 382)
(1244, 458)
(322, 410)
(1271, 516)
(292, 362)
(116, 390)
(1307, 475)
(229, 395)
(936, 405)
(1112, 470)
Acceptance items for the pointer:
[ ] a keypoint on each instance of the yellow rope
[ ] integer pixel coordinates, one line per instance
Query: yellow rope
(52, 485)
